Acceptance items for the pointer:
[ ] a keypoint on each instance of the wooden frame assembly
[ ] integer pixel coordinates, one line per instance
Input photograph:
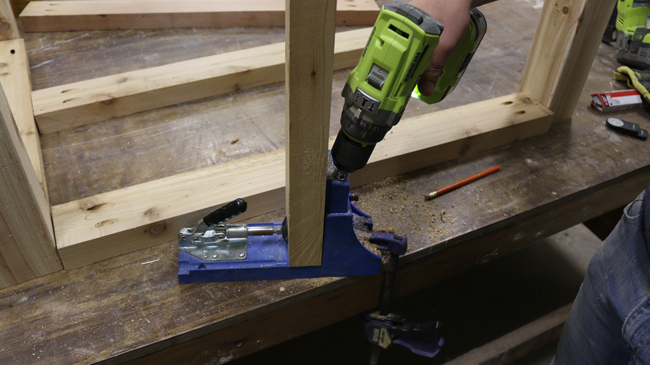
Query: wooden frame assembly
(117, 222)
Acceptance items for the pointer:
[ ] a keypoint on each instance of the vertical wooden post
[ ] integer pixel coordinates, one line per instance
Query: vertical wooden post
(14, 77)
(27, 248)
(567, 39)
(309, 49)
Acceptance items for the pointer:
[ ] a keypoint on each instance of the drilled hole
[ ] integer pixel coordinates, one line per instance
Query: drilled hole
(520, 112)
(507, 103)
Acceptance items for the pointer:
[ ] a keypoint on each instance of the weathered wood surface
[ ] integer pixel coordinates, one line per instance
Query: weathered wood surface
(120, 309)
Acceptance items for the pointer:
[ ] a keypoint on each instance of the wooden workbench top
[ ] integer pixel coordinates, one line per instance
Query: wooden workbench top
(131, 306)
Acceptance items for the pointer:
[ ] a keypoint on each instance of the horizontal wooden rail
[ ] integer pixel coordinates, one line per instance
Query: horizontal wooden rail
(121, 221)
(71, 105)
(57, 16)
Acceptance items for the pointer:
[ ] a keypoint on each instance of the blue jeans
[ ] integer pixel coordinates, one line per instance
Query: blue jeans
(610, 319)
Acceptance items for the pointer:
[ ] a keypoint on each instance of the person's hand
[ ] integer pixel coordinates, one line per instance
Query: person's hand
(454, 15)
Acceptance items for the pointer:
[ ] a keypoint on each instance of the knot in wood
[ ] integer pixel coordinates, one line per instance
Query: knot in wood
(157, 228)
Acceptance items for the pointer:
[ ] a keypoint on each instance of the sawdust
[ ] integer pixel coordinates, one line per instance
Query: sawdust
(397, 210)
(317, 282)
(363, 234)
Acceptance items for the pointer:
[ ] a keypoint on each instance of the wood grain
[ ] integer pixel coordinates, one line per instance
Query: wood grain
(14, 77)
(563, 49)
(27, 250)
(121, 221)
(71, 105)
(309, 37)
(56, 16)
(8, 26)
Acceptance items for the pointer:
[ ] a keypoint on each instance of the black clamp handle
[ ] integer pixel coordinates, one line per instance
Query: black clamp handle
(228, 211)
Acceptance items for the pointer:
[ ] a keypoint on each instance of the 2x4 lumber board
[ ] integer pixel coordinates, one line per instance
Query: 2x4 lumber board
(309, 34)
(518, 343)
(27, 248)
(8, 27)
(563, 50)
(71, 105)
(57, 16)
(140, 216)
(14, 77)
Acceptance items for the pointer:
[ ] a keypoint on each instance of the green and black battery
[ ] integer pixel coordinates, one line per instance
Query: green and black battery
(633, 33)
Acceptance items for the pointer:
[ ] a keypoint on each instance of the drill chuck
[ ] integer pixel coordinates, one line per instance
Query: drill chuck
(349, 155)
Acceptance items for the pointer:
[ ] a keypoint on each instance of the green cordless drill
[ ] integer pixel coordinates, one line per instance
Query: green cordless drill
(633, 33)
(378, 89)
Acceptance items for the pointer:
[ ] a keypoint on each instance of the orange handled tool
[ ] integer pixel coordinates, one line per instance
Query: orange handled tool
(460, 183)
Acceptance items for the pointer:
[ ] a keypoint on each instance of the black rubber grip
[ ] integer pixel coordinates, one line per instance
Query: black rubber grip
(348, 155)
(226, 212)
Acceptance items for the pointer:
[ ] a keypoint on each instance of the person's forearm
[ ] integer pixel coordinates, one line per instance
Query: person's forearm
(476, 3)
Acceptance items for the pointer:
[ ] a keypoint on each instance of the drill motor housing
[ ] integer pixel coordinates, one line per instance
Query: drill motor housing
(381, 85)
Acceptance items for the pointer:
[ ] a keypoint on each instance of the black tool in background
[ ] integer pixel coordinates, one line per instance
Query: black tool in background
(626, 127)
